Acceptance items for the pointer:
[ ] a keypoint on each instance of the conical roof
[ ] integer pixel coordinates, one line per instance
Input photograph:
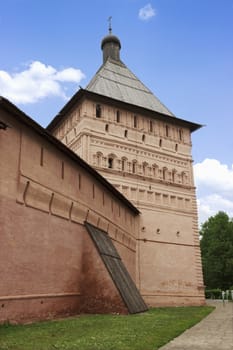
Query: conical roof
(115, 80)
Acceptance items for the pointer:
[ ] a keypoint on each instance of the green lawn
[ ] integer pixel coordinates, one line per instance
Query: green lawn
(146, 331)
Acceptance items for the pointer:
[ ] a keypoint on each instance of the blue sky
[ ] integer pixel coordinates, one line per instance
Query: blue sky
(181, 49)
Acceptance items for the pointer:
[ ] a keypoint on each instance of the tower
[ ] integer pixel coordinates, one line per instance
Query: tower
(122, 130)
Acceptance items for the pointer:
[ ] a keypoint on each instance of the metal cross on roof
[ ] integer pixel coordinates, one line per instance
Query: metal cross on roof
(110, 24)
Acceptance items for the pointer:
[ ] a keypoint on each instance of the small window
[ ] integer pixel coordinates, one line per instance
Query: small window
(99, 157)
(167, 130)
(164, 173)
(154, 170)
(144, 168)
(110, 163)
(173, 175)
(62, 170)
(126, 133)
(180, 134)
(123, 164)
(118, 116)
(98, 111)
(79, 181)
(176, 147)
(41, 156)
(135, 121)
(160, 143)
(143, 138)
(150, 126)
(183, 178)
(106, 127)
(134, 167)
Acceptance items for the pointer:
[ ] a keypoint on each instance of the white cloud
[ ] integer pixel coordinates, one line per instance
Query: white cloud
(146, 12)
(214, 175)
(211, 204)
(71, 75)
(37, 82)
(214, 182)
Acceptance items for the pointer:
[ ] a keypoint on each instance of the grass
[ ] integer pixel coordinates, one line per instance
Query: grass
(146, 331)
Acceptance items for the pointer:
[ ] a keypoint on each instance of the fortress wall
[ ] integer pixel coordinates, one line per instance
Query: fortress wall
(45, 199)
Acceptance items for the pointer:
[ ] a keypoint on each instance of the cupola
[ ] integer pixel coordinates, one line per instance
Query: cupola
(111, 46)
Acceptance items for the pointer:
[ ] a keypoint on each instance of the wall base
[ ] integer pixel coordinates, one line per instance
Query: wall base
(173, 300)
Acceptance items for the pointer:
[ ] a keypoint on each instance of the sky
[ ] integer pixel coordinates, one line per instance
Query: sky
(182, 50)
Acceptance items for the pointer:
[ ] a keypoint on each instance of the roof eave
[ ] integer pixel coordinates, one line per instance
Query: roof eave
(137, 109)
(68, 106)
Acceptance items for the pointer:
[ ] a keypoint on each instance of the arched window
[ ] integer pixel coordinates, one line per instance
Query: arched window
(144, 168)
(154, 170)
(164, 173)
(111, 158)
(134, 166)
(173, 175)
(99, 158)
(123, 164)
(110, 163)
(183, 178)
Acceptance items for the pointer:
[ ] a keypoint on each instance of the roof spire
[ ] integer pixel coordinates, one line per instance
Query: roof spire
(110, 25)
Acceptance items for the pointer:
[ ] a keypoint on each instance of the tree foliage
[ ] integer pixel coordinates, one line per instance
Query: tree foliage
(217, 251)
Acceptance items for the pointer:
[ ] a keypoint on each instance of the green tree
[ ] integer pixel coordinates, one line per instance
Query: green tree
(217, 251)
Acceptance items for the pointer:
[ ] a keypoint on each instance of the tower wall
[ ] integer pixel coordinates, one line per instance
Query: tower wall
(149, 161)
